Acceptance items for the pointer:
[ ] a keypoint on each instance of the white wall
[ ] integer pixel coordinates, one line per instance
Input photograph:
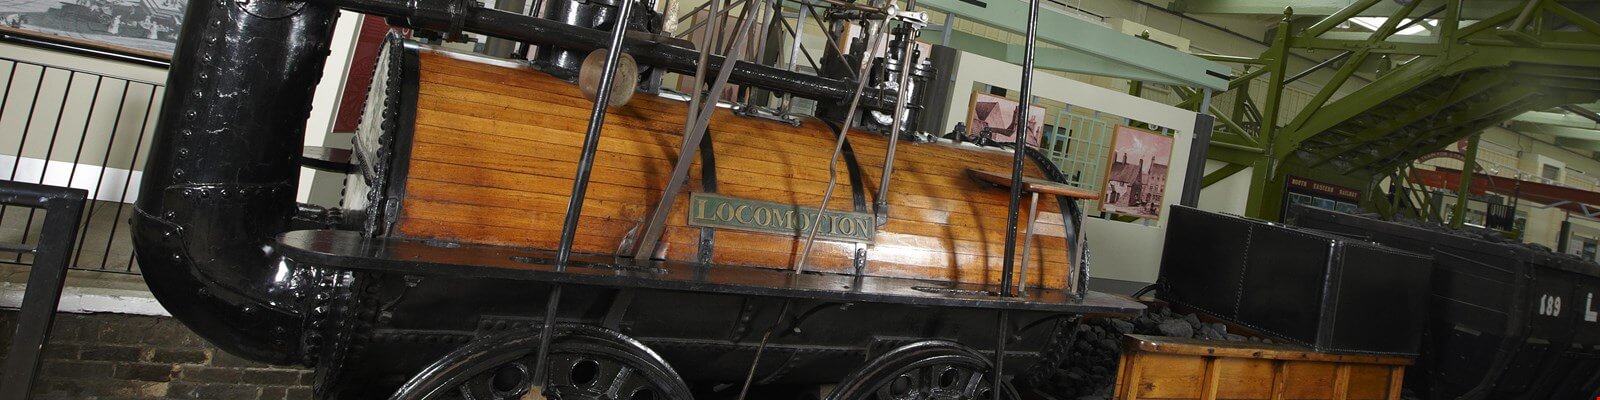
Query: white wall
(316, 186)
(1124, 251)
(1228, 195)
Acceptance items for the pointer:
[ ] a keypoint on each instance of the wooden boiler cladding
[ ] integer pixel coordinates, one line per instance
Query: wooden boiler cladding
(495, 150)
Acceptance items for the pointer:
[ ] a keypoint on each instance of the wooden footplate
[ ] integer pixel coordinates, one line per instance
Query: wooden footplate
(1173, 368)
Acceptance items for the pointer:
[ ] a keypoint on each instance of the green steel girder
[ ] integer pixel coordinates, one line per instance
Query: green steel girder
(1580, 144)
(1560, 132)
(1399, 82)
(1421, 49)
(1467, 89)
(1091, 40)
(1351, 64)
(1483, 114)
(1407, 156)
(1556, 119)
(1476, 9)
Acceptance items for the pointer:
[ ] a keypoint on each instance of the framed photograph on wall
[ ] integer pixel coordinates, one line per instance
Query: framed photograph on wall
(998, 114)
(1136, 182)
(142, 27)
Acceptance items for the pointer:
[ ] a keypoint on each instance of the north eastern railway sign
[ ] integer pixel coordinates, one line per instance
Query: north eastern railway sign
(716, 211)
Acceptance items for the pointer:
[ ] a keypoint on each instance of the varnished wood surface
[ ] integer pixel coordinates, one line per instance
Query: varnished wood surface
(1172, 368)
(495, 151)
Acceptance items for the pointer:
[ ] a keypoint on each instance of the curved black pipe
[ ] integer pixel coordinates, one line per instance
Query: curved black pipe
(221, 176)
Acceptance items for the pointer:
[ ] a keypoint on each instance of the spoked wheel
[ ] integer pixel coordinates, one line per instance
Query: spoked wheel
(928, 370)
(586, 363)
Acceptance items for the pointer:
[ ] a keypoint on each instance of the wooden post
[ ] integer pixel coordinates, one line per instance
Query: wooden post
(1208, 387)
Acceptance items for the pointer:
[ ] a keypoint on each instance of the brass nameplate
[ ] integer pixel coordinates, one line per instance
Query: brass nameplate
(716, 211)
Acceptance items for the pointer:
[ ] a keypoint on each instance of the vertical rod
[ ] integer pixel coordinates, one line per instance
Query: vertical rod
(1024, 101)
(1463, 191)
(794, 49)
(580, 183)
(899, 117)
(1027, 245)
(838, 145)
(591, 140)
(711, 30)
(1001, 331)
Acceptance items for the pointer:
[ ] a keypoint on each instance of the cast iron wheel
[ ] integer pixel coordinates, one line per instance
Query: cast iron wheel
(927, 370)
(586, 363)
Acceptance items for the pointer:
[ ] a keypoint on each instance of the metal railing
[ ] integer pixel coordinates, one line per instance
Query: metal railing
(76, 128)
(62, 207)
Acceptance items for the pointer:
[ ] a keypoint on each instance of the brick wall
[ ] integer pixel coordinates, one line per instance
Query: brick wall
(114, 356)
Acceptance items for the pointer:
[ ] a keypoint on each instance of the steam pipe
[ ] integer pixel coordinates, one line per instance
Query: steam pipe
(220, 179)
(452, 15)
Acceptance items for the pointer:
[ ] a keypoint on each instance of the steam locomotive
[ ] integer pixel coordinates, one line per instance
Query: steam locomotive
(460, 266)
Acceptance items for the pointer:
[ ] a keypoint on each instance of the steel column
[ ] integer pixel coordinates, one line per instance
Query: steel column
(1468, 161)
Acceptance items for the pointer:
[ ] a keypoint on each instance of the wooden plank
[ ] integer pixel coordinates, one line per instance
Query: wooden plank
(1167, 376)
(1208, 386)
(1309, 380)
(1245, 379)
(1169, 345)
(1369, 382)
(1034, 185)
(1341, 382)
(1396, 379)
(1126, 388)
(1280, 380)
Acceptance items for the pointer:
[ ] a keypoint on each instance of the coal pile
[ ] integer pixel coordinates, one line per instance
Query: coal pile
(1090, 373)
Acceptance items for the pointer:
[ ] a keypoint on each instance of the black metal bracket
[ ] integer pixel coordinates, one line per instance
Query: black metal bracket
(51, 258)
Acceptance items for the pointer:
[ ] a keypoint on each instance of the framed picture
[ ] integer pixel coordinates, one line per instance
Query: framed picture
(144, 27)
(998, 114)
(1137, 179)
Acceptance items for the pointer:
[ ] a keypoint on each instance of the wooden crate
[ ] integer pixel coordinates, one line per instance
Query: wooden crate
(1172, 368)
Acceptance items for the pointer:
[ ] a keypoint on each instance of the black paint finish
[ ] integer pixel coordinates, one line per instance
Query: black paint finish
(1318, 290)
(222, 172)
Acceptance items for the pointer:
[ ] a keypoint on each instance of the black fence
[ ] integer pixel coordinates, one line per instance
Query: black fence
(70, 127)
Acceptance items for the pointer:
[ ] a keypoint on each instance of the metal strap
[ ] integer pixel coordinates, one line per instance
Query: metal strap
(858, 195)
(708, 184)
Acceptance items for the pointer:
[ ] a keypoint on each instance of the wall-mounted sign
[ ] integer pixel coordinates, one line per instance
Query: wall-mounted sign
(1322, 188)
(717, 211)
